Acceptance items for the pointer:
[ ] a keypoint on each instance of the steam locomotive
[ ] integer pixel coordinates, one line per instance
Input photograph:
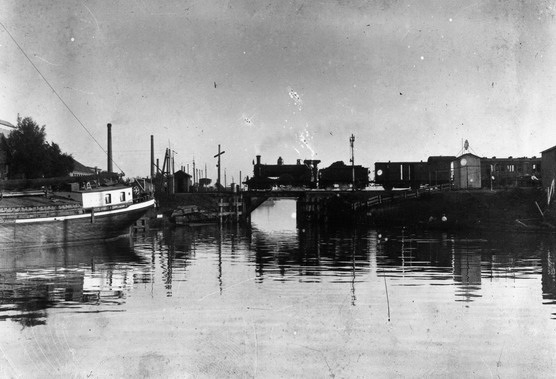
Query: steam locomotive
(306, 175)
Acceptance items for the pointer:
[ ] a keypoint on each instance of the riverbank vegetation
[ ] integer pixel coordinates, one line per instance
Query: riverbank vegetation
(30, 156)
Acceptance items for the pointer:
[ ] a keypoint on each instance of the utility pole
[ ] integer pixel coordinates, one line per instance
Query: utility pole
(352, 160)
(218, 164)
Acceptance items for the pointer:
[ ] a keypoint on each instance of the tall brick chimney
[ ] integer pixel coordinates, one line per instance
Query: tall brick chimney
(109, 126)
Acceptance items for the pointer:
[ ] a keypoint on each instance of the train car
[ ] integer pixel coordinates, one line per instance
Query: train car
(510, 172)
(435, 171)
(268, 176)
(439, 170)
(399, 174)
(340, 175)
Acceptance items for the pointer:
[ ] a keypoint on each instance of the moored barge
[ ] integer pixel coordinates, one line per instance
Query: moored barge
(37, 218)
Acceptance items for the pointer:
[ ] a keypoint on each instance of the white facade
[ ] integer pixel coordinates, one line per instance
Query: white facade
(467, 171)
(101, 197)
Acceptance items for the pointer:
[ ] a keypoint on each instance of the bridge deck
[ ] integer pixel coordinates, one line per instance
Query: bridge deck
(359, 199)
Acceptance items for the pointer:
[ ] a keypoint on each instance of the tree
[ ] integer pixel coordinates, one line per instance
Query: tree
(30, 156)
(58, 163)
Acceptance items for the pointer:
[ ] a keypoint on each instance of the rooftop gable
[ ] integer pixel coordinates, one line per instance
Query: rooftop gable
(466, 155)
(549, 149)
(79, 167)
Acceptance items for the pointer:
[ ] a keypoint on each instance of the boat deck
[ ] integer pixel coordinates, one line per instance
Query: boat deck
(36, 206)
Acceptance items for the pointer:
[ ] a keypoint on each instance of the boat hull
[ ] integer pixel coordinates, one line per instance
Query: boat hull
(73, 228)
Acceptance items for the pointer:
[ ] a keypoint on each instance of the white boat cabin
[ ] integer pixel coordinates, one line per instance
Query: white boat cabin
(101, 197)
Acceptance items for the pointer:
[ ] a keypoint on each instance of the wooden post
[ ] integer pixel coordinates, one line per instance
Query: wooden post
(220, 205)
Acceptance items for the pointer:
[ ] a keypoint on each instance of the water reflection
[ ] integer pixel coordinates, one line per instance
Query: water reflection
(210, 257)
(278, 301)
(549, 274)
(465, 261)
(36, 279)
(309, 254)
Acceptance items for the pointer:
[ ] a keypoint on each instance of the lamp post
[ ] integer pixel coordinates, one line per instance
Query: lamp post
(352, 160)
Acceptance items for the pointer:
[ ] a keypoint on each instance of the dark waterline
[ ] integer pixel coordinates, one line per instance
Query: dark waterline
(271, 300)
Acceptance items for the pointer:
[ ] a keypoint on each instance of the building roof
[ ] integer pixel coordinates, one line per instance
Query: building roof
(79, 167)
(549, 149)
(7, 123)
(441, 158)
(182, 173)
(6, 127)
(468, 155)
(510, 159)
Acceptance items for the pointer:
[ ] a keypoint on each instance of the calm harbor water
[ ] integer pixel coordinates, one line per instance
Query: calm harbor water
(272, 300)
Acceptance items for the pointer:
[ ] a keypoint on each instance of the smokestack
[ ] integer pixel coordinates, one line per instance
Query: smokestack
(152, 156)
(258, 159)
(109, 126)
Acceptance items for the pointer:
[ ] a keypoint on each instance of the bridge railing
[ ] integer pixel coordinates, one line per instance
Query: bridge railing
(401, 195)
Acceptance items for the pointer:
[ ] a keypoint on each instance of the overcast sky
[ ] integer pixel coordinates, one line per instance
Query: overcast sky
(294, 79)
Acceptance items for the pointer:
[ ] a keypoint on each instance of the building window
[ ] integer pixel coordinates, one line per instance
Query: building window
(511, 168)
(108, 198)
(122, 196)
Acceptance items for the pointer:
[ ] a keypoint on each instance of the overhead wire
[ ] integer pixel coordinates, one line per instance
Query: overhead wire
(58, 95)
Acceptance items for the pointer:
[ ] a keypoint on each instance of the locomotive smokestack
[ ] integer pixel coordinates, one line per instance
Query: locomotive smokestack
(258, 159)
(109, 126)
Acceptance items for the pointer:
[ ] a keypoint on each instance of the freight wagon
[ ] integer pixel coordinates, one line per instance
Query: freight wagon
(435, 171)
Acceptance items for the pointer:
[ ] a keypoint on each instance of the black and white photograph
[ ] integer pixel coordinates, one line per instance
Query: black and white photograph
(277, 189)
